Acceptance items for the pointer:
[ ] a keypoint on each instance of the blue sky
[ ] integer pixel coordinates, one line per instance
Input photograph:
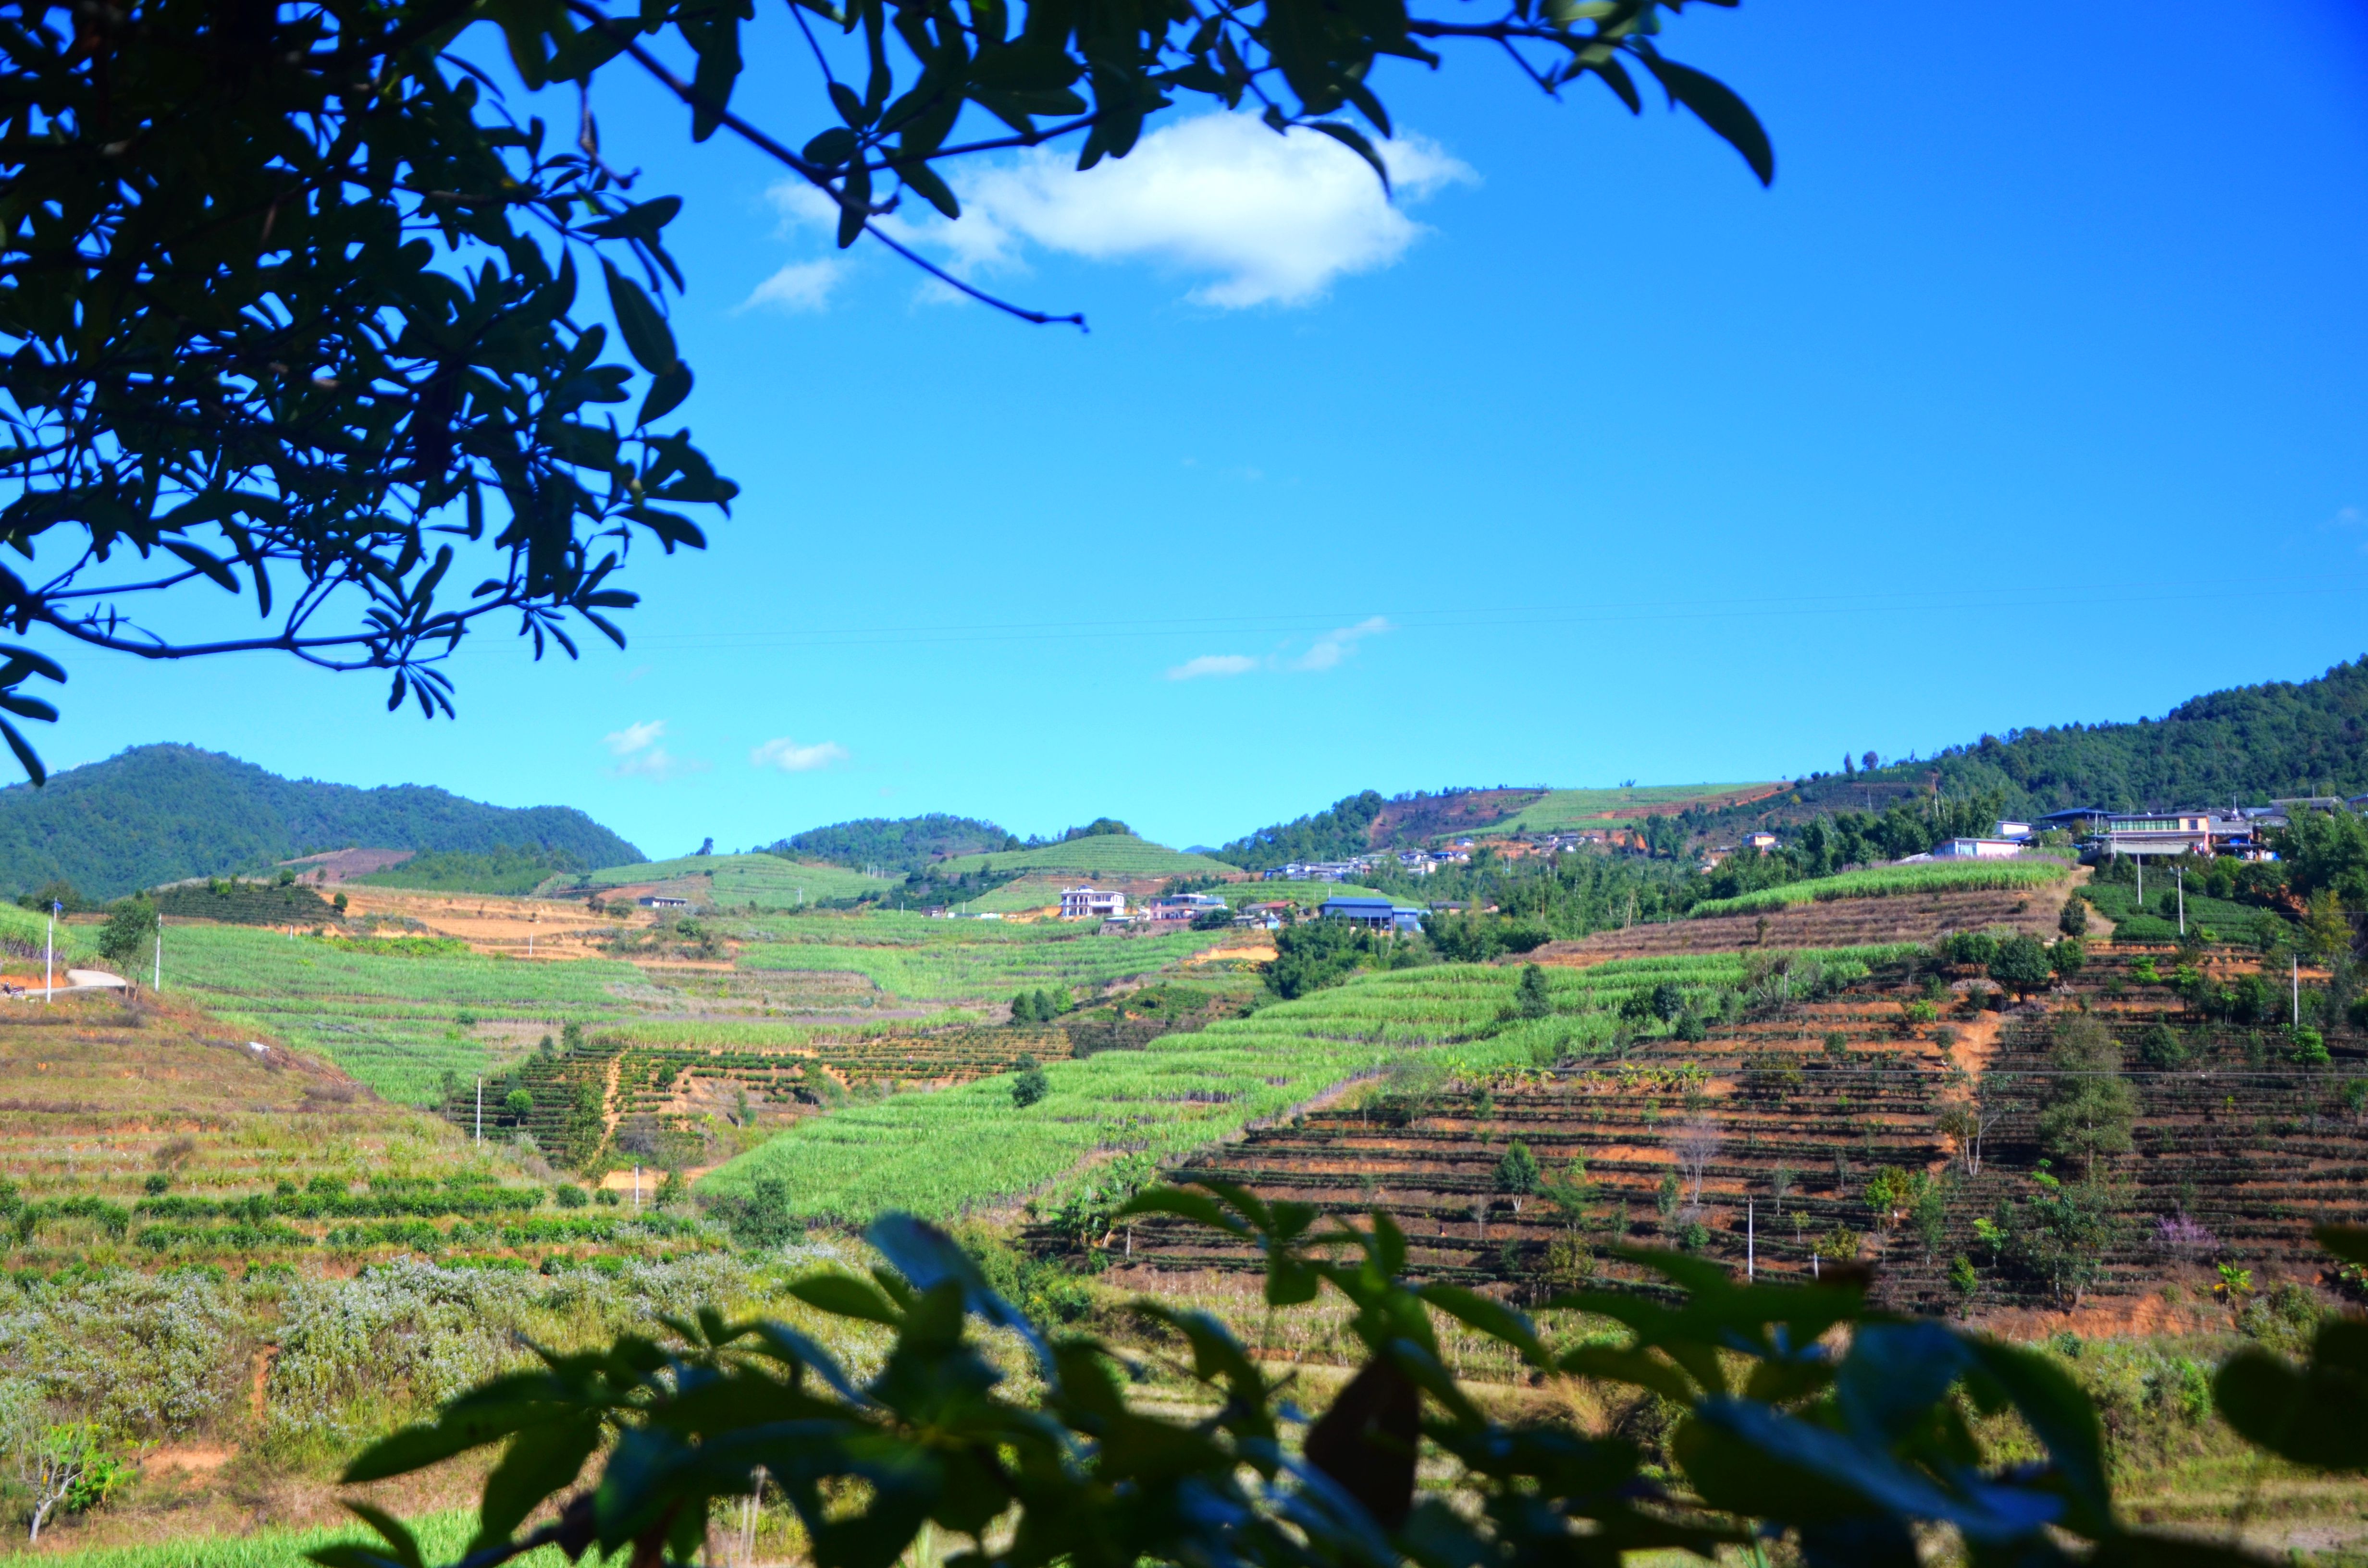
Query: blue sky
(2033, 392)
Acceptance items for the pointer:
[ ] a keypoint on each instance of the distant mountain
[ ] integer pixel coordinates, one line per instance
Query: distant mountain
(159, 814)
(900, 846)
(2248, 744)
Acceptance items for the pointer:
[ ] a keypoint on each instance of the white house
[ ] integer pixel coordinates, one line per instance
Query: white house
(1092, 904)
(1977, 849)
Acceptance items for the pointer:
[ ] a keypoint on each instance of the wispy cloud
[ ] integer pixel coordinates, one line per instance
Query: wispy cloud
(1261, 219)
(640, 756)
(791, 757)
(1213, 664)
(803, 285)
(634, 737)
(1336, 645)
(1326, 653)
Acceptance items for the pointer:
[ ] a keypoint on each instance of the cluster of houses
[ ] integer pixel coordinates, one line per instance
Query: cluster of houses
(1416, 862)
(1174, 909)
(2239, 831)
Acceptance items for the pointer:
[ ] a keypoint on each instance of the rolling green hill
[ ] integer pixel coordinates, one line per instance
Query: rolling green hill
(1096, 855)
(161, 813)
(904, 845)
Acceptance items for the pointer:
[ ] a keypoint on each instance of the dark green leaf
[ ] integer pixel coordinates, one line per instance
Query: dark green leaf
(844, 1296)
(645, 332)
(1716, 103)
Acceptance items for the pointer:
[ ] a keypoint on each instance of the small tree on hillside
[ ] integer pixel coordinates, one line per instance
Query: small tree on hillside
(2022, 965)
(130, 925)
(1696, 1144)
(2069, 956)
(1030, 1084)
(1517, 1173)
(1531, 998)
(2090, 1107)
(2073, 919)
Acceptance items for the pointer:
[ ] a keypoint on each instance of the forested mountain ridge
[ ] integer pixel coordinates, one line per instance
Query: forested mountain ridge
(2248, 744)
(157, 813)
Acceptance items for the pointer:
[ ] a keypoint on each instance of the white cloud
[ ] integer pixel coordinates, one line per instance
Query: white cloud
(1325, 653)
(791, 757)
(634, 737)
(639, 756)
(801, 286)
(1265, 218)
(1336, 645)
(1213, 664)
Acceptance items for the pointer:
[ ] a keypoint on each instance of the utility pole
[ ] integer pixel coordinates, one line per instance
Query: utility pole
(2297, 992)
(1750, 1238)
(158, 985)
(49, 955)
(637, 1190)
(2181, 872)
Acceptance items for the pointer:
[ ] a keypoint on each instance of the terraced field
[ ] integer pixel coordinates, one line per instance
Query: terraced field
(136, 1135)
(393, 1021)
(1791, 1113)
(970, 1148)
(1841, 923)
(918, 959)
(1892, 881)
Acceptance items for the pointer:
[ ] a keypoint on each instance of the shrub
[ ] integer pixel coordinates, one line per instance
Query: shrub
(1030, 1084)
(2308, 1048)
(2022, 965)
(1975, 949)
(1531, 998)
(2159, 1046)
(2069, 956)
(568, 1195)
(1518, 1171)
(2074, 920)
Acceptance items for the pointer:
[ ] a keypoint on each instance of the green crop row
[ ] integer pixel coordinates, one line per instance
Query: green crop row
(443, 1538)
(765, 880)
(1880, 882)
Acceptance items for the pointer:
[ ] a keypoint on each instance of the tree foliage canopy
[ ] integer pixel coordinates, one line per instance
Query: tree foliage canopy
(1849, 1447)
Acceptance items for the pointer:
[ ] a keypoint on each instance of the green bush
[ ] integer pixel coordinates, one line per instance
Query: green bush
(1029, 1083)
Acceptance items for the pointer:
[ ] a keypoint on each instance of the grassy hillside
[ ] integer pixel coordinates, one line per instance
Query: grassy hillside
(161, 813)
(509, 873)
(765, 880)
(1096, 855)
(1561, 811)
